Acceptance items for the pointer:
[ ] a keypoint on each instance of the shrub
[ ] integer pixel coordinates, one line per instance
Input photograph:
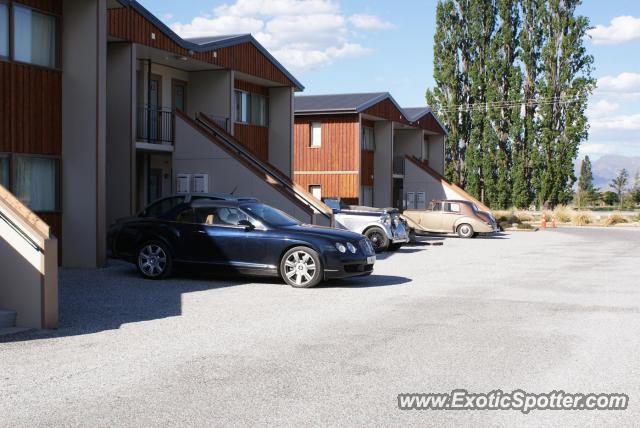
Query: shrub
(504, 225)
(525, 226)
(524, 216)
(582, 219)
(614, 219)
(563, 214)
(506, 217)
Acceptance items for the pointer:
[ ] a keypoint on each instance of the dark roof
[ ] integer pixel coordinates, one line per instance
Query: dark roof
(335, 103)
(415, 113)
(206, 44)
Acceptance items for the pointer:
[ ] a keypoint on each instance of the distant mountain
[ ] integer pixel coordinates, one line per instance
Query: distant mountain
(607, 167)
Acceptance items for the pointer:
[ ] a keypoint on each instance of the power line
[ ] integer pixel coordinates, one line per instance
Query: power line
(490, 105)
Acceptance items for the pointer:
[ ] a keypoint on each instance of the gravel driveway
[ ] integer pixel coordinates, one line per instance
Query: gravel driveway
(557, 309)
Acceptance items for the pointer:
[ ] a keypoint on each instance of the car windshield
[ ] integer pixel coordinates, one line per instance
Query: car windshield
(269, 215)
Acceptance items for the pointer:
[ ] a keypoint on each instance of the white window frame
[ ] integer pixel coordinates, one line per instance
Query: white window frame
(312, 189)
(315, 135)
(251, 98)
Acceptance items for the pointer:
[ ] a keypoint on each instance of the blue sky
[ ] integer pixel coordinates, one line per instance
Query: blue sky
(380, 45)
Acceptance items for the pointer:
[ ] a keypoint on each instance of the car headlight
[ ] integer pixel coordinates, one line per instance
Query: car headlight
(340, 247)
(352, 248)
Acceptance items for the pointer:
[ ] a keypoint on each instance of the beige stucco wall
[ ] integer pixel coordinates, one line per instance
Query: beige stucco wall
(121, 126)
(408, 142)
(196, 154)
(211, 92)
(281, 129)
(436, 153)
(417, 180)
(382, 165)
(84, 48)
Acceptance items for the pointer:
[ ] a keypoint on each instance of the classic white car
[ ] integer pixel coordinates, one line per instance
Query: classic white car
(383, 226)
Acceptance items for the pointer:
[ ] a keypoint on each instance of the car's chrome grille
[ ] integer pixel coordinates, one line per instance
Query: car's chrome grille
(366, 247)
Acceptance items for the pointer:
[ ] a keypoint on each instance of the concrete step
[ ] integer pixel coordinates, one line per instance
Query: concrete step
(7, 318)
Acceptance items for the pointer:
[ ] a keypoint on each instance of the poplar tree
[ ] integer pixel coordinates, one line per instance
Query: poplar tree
(564, 84)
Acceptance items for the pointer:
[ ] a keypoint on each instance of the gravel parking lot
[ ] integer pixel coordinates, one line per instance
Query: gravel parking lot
(551, 310)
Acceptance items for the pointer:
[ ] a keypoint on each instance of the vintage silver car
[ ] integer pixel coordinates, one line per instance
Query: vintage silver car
(383, 226)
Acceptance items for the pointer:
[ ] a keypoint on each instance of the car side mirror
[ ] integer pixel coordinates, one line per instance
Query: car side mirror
(247, 225)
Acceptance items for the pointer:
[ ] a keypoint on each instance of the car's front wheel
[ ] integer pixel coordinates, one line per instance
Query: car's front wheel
(465, 231)
(378, 239)
(301, 267)
(154, 260)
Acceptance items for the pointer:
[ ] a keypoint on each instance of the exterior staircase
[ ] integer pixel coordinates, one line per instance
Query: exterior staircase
(323, 214)
(28, 266)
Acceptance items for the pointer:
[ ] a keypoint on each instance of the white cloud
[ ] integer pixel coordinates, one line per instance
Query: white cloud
(623, 83)
(629, 122)
(167, 17)
(621, 29)
(602, 107)
(302, 34)
(369, 22)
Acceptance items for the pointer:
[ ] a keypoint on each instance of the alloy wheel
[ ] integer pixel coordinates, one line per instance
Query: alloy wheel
(152, 260)
(300, 267)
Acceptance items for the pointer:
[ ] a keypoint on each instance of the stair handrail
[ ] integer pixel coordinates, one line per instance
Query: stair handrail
(284, 181)
(23, 221)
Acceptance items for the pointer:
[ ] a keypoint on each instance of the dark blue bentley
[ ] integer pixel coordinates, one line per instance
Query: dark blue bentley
(240, 234)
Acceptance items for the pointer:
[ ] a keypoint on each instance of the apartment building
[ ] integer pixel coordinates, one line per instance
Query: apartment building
(357, 147)
(104, 109)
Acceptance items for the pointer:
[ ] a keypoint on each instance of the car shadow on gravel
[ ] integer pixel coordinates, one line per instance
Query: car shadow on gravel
(366, 282)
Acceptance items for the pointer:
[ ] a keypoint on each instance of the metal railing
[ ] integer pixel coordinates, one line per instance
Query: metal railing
(155, 125)
(222, 122)
(398, 165)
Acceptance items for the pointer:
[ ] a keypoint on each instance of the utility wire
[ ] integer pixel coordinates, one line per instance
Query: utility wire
(490, 105)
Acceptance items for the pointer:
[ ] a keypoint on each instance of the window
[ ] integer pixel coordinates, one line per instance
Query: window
(436, 206)
(316, 134)
(4, 30)
(316, 191)
(36, 182)
(368, 138)
(187, 215)
(452, 207)
(4, 170)
(251, 108)
(35, 37)
(162, 207)
(220, 216)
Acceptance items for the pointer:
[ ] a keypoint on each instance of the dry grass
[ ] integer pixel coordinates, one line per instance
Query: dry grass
(563, 214)
(614, 219)
(582, 219)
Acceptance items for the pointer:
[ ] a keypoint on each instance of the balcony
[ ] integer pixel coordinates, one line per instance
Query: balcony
(398, 165)
(155, 125)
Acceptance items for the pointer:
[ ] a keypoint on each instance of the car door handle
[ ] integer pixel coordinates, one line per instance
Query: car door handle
(200, 232)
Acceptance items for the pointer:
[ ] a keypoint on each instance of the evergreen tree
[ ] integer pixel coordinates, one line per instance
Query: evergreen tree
(619, 184)
(564, 85)
(503, 90)
(586, 190)
(530, 38)
(451, 87)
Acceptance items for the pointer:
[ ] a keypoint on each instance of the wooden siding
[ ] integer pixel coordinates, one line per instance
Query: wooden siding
(367, 168)
(30, 109)
(340, 144)
(51, 6)
(340, 151)
(343, 186)
(255, 138)
(251, 87)
(385, 109)
(54, 220)
(127, 24)
(429, 123)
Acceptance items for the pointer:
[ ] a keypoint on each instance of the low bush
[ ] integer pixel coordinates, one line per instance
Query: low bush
(524, 216)
(582, 219)
(563, 214)
(614, 219)
(525, 226)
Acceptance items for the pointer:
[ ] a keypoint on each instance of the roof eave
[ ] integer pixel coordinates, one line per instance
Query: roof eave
(231, 41)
